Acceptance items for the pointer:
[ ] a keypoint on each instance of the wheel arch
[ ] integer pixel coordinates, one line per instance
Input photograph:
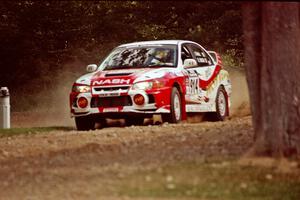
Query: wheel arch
(179, 88)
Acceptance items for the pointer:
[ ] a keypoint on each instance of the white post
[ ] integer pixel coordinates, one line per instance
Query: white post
(4, 108)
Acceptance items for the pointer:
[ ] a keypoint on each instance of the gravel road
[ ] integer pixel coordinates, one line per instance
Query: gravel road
(81, 165)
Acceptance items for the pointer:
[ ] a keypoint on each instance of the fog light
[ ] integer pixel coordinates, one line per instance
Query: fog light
(139, 99)
(82, 102)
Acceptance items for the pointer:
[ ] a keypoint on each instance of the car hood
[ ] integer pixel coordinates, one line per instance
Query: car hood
(123, 76)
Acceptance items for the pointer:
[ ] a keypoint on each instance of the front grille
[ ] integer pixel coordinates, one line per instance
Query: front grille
(111, 101)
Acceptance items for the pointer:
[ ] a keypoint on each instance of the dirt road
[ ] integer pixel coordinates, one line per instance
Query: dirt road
(83, 165)
(136, 162)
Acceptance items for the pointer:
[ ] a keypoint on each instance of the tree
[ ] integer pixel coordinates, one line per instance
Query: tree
(41, 39)
(272, 49)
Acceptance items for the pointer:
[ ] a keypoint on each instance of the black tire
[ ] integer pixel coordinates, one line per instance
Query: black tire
(221, 110)
(174, 116)
(136, 121)
(85, 123)
(100, 123)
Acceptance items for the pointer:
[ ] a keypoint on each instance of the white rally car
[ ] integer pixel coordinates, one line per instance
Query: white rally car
(137, 80)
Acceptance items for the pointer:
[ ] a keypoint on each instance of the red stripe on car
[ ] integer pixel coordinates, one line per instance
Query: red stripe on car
(204, 84)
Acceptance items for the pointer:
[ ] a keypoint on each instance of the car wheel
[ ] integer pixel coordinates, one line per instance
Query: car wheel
(175, 114)
(221, 106)
(138, 121)
(100, 123)
(84, 123)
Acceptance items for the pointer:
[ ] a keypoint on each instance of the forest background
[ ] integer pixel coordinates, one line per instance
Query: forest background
(45, 45)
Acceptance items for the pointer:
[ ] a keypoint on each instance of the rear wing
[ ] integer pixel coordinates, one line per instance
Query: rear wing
(216, 57)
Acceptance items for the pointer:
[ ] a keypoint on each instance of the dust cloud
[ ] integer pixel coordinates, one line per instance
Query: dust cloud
(240, 104)
(52, 107)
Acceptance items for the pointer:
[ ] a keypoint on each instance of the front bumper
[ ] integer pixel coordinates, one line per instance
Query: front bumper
(156, 102)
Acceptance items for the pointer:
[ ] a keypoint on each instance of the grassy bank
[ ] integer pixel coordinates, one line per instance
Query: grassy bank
(220, 180)
(34, 130)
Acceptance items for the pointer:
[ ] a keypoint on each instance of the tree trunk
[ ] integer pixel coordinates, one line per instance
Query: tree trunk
(272, 52)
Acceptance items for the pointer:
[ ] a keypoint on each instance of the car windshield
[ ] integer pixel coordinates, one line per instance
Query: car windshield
(141, 57)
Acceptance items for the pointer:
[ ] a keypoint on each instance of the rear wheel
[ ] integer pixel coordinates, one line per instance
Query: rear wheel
(137, 121)
(175, 114)
(84, 123)
(221, 106)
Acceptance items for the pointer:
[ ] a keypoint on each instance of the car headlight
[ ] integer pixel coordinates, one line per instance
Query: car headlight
(142, 86)
(81, 88)
(148, 85)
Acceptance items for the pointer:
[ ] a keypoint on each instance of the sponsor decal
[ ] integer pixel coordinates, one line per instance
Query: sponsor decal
(111, 81)
(222, 76)
(113, 94)
(111, 109)
(206, 84)
(193, 89)
(196, 108)
(198, 89)
(193, 86)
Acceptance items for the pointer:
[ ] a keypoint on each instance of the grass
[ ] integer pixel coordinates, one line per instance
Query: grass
(218, 181)
(34, 130)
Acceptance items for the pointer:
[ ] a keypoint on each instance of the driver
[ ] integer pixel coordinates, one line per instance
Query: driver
(162, 56)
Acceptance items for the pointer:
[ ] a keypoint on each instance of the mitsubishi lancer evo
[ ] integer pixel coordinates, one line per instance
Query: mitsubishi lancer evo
(171, 78)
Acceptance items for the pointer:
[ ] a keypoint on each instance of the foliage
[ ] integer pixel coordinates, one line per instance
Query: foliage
(40, 38)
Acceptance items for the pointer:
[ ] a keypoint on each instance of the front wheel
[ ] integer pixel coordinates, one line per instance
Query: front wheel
(84, 123)
(134, 121)
(175, 114)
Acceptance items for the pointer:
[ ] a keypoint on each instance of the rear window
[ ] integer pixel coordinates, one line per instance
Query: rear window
(213, 55)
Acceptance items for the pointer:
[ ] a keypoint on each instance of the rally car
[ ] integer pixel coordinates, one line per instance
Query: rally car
(138, 80)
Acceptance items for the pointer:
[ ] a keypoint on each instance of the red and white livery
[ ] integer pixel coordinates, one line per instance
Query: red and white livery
(137, 80)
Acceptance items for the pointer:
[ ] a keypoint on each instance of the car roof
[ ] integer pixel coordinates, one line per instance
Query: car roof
(155, 42)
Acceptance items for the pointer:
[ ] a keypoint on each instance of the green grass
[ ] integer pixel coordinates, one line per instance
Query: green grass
(34, 130)
(212, 181)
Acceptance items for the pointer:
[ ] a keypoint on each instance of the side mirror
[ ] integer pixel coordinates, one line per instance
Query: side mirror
(91, 68)
(190, 63)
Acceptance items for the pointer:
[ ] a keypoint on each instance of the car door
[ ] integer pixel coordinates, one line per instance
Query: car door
(199, 76)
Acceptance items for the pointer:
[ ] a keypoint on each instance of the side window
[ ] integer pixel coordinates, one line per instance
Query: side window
(201, 56)
(185, 53)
